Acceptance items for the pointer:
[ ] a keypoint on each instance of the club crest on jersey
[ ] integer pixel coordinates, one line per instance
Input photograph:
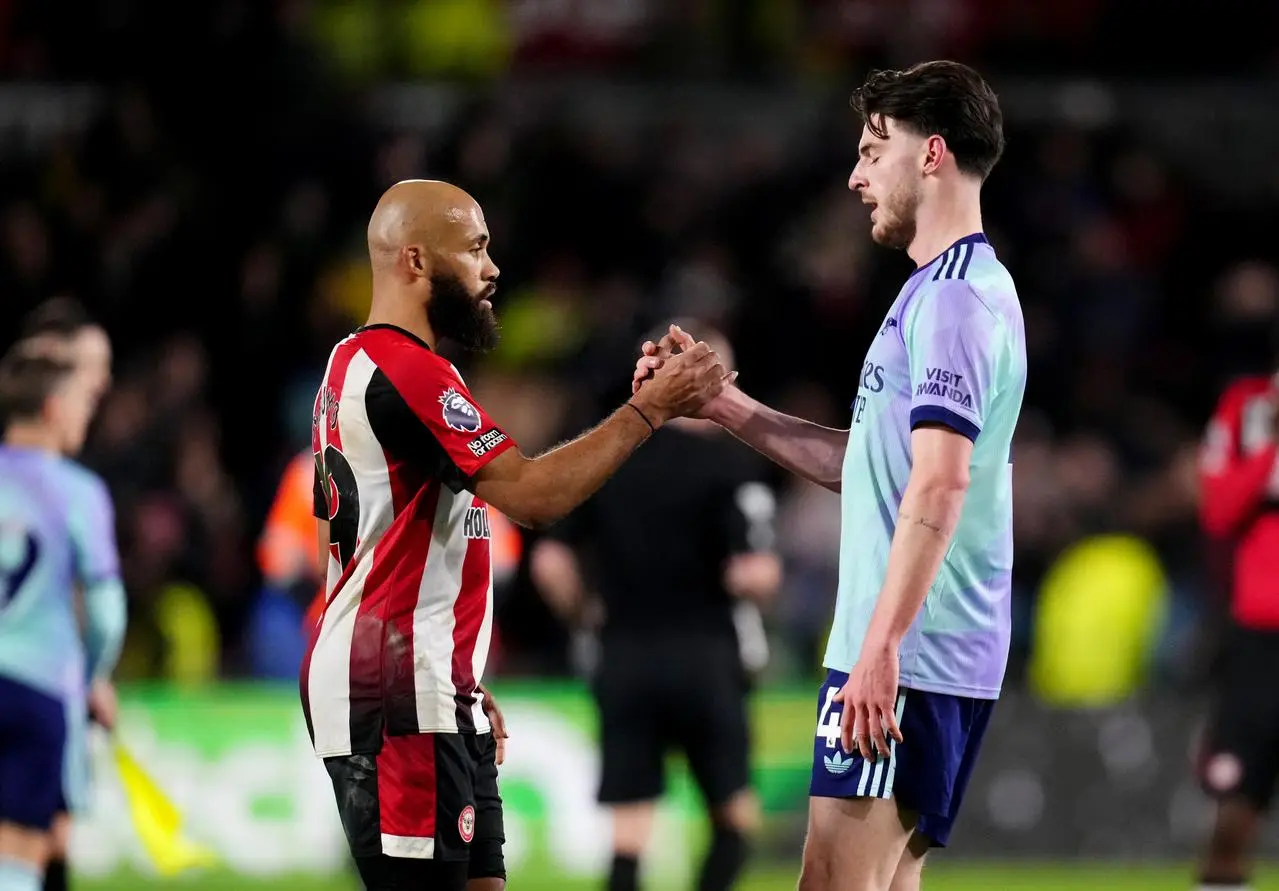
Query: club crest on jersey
(466, 824)
(459, 414)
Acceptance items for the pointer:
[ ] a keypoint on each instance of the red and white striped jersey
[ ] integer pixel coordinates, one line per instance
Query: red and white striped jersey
(405, 632)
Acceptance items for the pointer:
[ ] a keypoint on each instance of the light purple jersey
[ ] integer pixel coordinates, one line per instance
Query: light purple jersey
(952, 351)
(57, 536)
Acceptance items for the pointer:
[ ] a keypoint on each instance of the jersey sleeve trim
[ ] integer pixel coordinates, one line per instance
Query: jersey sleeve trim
(487, 446)
(936, 414)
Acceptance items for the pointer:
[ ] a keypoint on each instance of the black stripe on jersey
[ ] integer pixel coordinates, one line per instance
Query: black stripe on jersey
(319, 500)
(403, 434)
(465, 717)
(367, 723)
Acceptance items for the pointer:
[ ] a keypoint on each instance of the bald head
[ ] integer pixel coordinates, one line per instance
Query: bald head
(425, 213)
(428, 245)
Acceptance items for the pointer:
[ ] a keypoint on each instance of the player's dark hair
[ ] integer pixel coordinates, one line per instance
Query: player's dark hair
(62, 316)
(27, 379)
(941, 98)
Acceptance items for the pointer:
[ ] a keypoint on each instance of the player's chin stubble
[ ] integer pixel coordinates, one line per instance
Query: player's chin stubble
(896, 226)
(458, 315)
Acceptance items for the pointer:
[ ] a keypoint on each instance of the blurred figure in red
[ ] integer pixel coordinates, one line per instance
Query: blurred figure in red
(1239, 763)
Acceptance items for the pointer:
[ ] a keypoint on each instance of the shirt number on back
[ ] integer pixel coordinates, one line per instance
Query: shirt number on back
(342, 495)
(828, 720)
(19, 551)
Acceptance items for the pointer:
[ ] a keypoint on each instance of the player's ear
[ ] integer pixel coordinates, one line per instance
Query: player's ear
(934, 153)
(415, 259)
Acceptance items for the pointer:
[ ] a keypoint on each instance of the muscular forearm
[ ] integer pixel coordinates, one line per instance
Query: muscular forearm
(802, 447)
(925, 525)
(539, 491)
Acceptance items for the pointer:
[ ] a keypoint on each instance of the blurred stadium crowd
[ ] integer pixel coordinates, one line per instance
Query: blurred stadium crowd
(206, 200)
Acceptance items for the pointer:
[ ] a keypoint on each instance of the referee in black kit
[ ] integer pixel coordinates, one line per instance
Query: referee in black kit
(679, 546)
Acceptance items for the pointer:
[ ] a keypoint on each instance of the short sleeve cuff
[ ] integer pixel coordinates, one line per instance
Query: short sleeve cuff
(936, 414)
(483, 449)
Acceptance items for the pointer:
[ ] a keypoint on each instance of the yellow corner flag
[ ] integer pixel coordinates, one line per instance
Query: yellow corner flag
(156, 819)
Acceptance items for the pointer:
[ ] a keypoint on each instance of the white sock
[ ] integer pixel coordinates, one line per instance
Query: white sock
(17, 875)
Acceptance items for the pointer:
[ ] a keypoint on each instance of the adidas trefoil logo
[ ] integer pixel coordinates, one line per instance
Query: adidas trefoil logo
(838, 764)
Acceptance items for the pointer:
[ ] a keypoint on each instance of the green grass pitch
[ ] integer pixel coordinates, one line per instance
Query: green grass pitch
(939, 877)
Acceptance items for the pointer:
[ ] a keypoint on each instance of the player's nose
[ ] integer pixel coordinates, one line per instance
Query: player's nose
(856, 182)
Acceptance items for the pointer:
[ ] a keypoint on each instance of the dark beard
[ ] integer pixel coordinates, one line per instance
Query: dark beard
(456, 314)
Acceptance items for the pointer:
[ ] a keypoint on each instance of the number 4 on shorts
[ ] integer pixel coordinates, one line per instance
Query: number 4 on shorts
(828, 720)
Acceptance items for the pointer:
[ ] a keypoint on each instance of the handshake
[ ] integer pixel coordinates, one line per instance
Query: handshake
(678, 377)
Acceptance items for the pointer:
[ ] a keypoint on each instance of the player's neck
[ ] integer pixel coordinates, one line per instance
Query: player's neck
(401, 313)
(954, 213)
(30, 435)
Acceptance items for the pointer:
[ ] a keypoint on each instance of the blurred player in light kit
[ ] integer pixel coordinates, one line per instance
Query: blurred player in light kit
(60, 328)
(56, 532)
(406, 464)
(919, 644)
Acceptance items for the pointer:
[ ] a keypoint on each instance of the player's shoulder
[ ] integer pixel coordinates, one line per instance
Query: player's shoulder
(956, 297)
(81, 477)
(966, 276)
(396, 351)
(77, 484)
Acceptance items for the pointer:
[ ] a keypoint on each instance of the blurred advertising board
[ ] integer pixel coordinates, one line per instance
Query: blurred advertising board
(1107, 783)
(237, 762)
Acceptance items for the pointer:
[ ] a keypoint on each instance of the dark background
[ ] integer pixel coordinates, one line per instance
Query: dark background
(200, 176)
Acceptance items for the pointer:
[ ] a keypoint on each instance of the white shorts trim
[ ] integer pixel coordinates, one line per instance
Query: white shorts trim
(408, 847)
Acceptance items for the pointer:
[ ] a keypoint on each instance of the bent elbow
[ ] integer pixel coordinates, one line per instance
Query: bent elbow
(526, 520)
(536, 517)
(946, 485)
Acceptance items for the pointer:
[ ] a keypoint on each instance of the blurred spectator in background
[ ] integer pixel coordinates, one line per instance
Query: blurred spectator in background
(285, 609)
(212, 226)
(1239, 764)
(681, 548)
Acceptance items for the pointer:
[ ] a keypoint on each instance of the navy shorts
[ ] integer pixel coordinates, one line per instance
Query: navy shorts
(926, 773)
(33, 738)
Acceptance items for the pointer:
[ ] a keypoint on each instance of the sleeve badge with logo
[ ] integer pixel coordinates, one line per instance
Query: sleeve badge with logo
(459, 414)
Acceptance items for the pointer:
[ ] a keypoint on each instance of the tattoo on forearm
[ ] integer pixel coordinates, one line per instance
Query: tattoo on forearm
(931, 525)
